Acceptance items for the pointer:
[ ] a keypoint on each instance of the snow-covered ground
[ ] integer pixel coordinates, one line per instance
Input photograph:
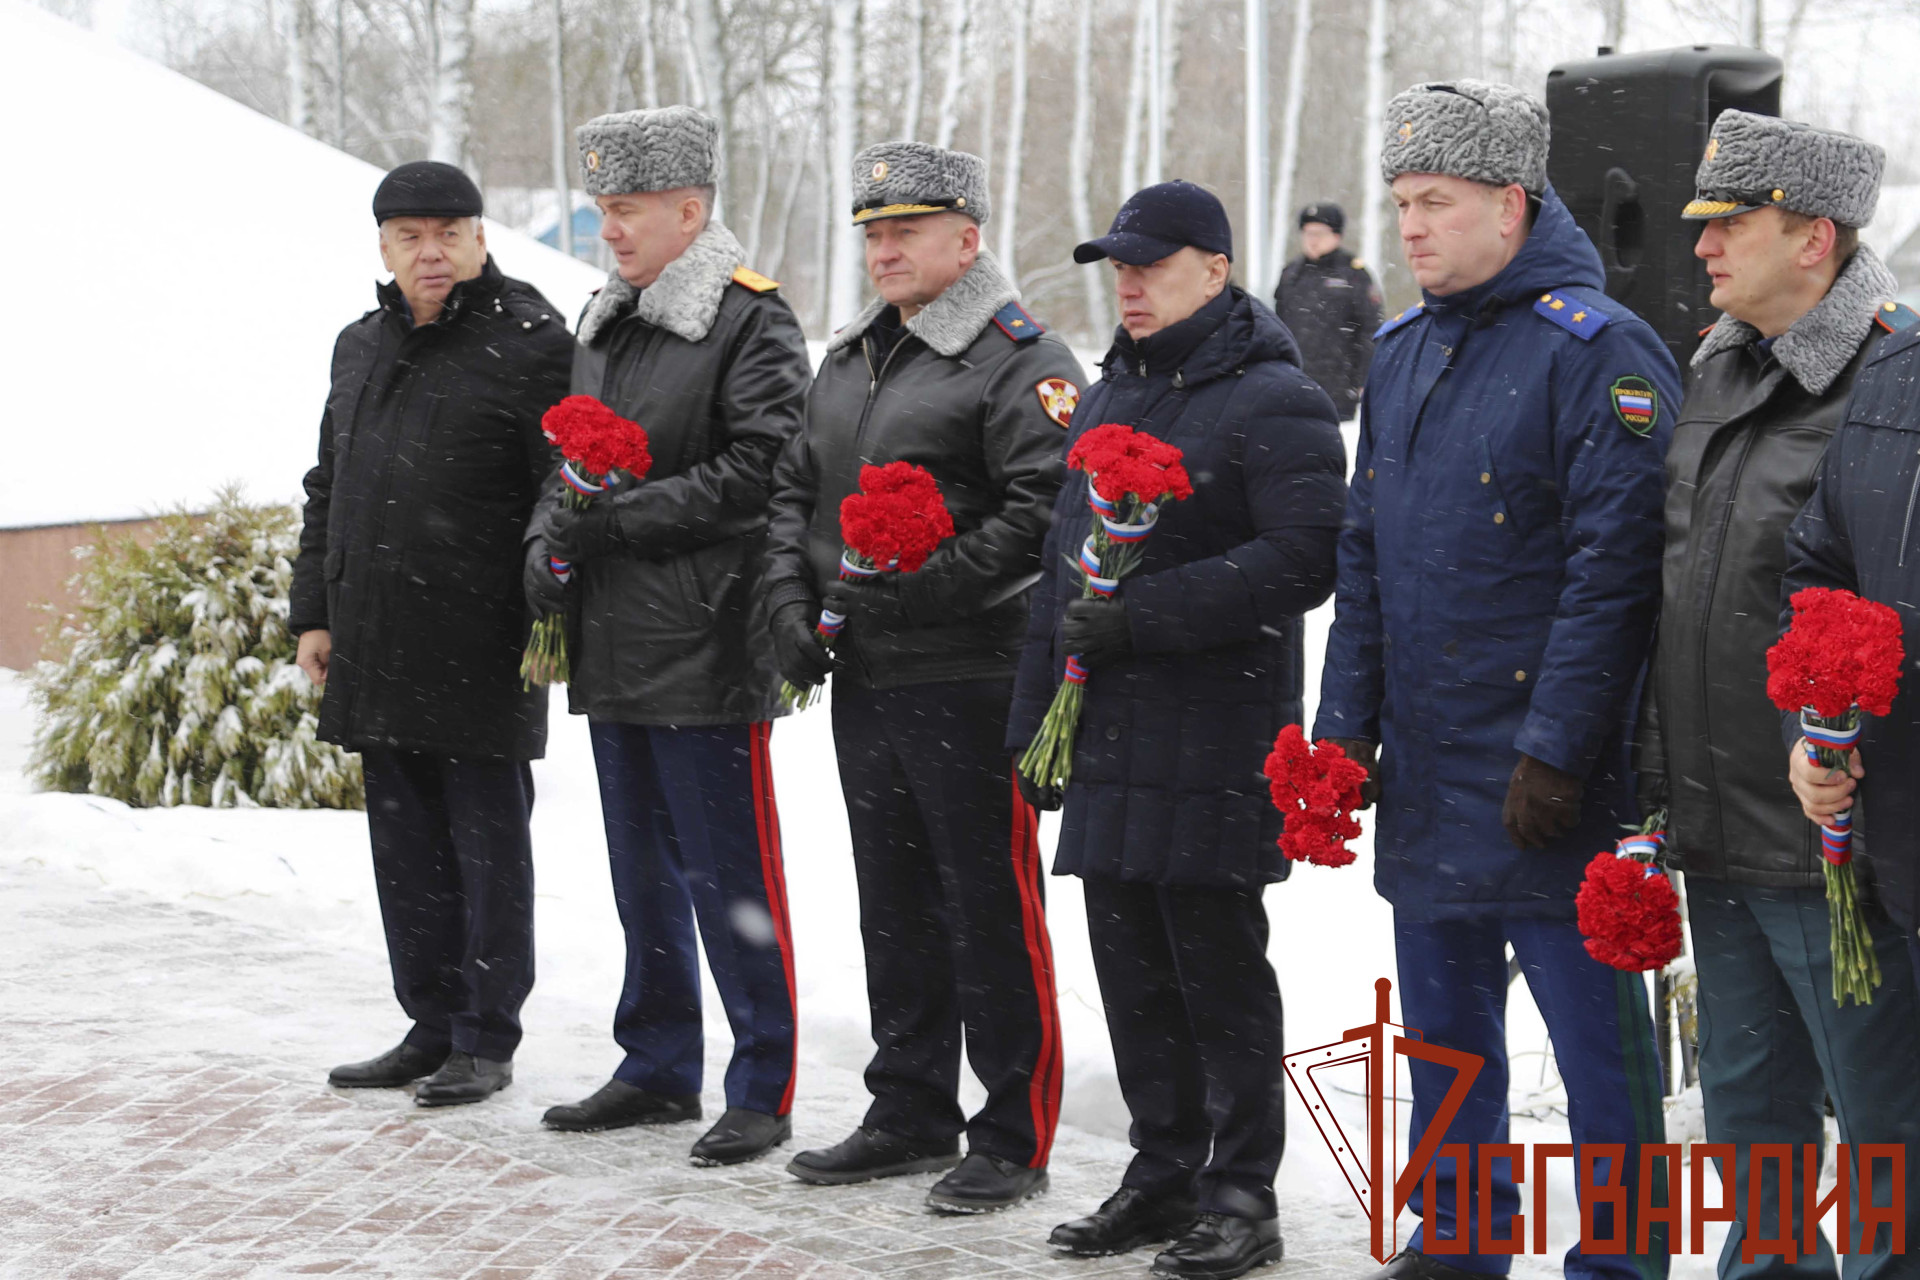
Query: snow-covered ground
(309, 871)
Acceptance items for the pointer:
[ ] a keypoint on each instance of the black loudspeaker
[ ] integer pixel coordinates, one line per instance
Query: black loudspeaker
(1628, 133)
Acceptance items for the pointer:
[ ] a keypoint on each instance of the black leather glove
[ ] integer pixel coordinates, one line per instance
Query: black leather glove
(545, 592)
(1365, 754)
(1044, 798)
(872, 604)
(797, 651)
(1097, 630)
(1542, 805)
(578, 534)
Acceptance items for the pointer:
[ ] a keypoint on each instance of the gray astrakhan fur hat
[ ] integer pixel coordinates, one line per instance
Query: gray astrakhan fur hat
(659, 149)
(1753, 162)
(903, 179)
(1473, 129)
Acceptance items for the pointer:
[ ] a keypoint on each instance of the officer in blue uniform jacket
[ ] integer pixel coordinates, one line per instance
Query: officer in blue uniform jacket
(1499, 577)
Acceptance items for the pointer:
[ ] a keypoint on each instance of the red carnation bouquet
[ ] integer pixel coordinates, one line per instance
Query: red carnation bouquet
(1317, 788)
(890, 526)
(1129, 475)
(1840, 658)
(595, 444)
(1629, 910)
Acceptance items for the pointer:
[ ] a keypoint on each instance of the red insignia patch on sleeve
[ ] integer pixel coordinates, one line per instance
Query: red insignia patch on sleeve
(1058, 398)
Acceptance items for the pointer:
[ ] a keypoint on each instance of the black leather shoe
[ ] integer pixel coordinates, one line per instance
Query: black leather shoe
(400, 1065)
(741, 1135)
(1411, 1264)
(463, 1078)
(868, 1154)
(1126, 1220)
(1219, 1247)
(617, 1104)
(985, 1184)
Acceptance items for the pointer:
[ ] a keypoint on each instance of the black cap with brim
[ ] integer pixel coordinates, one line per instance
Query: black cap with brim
(1127, 246)
(426, 189)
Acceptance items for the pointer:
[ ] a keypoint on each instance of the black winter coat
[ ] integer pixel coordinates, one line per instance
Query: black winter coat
(1331, 306)
(430, 459)
(1748, 444)
(966, 393)
(1858, 532)
(711, 361)
(1167, 785)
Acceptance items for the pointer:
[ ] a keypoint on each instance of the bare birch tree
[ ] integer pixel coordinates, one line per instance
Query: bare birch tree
(916, 68)
(1009, 201)
(1371, 231)
(297, 19)
(562, 157)
(1254, 127)
(1156, 92)
(1288, 168)
(1080, 163)
(959, 20)
(844, 258)
(450, 124)
(649, 57)
(1133, 121)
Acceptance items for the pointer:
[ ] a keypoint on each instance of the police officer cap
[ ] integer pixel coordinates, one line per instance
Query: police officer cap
(1756, 161)
(426, 189)
(905, 179)
(657, 149)
(1473, 129)
(1161, 220)
(1330, 216)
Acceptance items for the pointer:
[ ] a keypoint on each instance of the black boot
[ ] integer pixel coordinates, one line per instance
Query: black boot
(617, 1104)
(1219, 1247)
(463, 1078)
(1411, 1264)
(868, 1154)
(741, 1135)
(985, 1184)
(1126, 1220)
(400, 1065)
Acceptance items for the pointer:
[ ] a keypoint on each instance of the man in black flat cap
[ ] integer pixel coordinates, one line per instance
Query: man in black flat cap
(1329, 301)
(406, 602)
(1196, 665)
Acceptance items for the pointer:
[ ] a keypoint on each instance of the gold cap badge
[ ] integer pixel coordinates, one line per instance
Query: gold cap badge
(1713, 149)
(879, 170)
(593, 161)
(1406, 131)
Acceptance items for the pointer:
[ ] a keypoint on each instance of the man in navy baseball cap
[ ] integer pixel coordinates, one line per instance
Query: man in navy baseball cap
(1159, 221)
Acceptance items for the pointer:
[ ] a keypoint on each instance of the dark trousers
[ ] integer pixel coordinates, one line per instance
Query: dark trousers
(1774, 1046)
(1194, 1012)
(454, 867)
(1453, 990)
(693, 834)
(948, 861)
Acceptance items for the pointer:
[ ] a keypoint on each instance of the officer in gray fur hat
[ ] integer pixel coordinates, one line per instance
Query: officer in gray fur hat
(946, 370)
(1805, 309)
(1499, 577)
(671, 663)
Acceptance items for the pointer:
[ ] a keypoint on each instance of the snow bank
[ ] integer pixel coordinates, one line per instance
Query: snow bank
(181, 265)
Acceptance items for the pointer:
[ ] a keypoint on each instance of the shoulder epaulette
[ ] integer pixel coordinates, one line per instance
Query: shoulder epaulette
(1896, 316)
(1581, 319)
(1017, 324)
(748, 278)
(1410, 314)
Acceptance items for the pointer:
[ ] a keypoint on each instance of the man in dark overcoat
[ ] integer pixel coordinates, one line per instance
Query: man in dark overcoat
(1195, 667)
(1329, 302)
(406, 604)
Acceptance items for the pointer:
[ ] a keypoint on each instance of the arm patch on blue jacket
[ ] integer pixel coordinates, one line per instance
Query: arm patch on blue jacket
(1410, 314)
(1581, 319)
(1017, 324)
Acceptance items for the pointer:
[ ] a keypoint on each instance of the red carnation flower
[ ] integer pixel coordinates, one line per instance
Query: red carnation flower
(1123, 461)
(897, 518)
(597, 439)
(1629, 913)
(1317, 788)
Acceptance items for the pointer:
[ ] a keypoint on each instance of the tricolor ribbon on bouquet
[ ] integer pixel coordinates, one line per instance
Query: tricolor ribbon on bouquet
(1628, 909)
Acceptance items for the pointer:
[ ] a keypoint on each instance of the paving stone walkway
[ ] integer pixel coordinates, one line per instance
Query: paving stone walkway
(162, 1114)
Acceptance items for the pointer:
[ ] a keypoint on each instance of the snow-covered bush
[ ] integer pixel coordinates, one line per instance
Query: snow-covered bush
(174, 681)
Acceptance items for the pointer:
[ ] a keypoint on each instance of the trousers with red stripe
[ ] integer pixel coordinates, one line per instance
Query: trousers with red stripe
(693, 836)
(951, 913)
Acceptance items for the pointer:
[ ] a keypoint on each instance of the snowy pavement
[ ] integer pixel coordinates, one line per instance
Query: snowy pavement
(176, 983)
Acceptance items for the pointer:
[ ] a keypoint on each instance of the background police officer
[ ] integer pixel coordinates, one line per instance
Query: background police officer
(1330, 304)
(430, 457)
(1499, 576)
(943, 369)
(671, 663)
